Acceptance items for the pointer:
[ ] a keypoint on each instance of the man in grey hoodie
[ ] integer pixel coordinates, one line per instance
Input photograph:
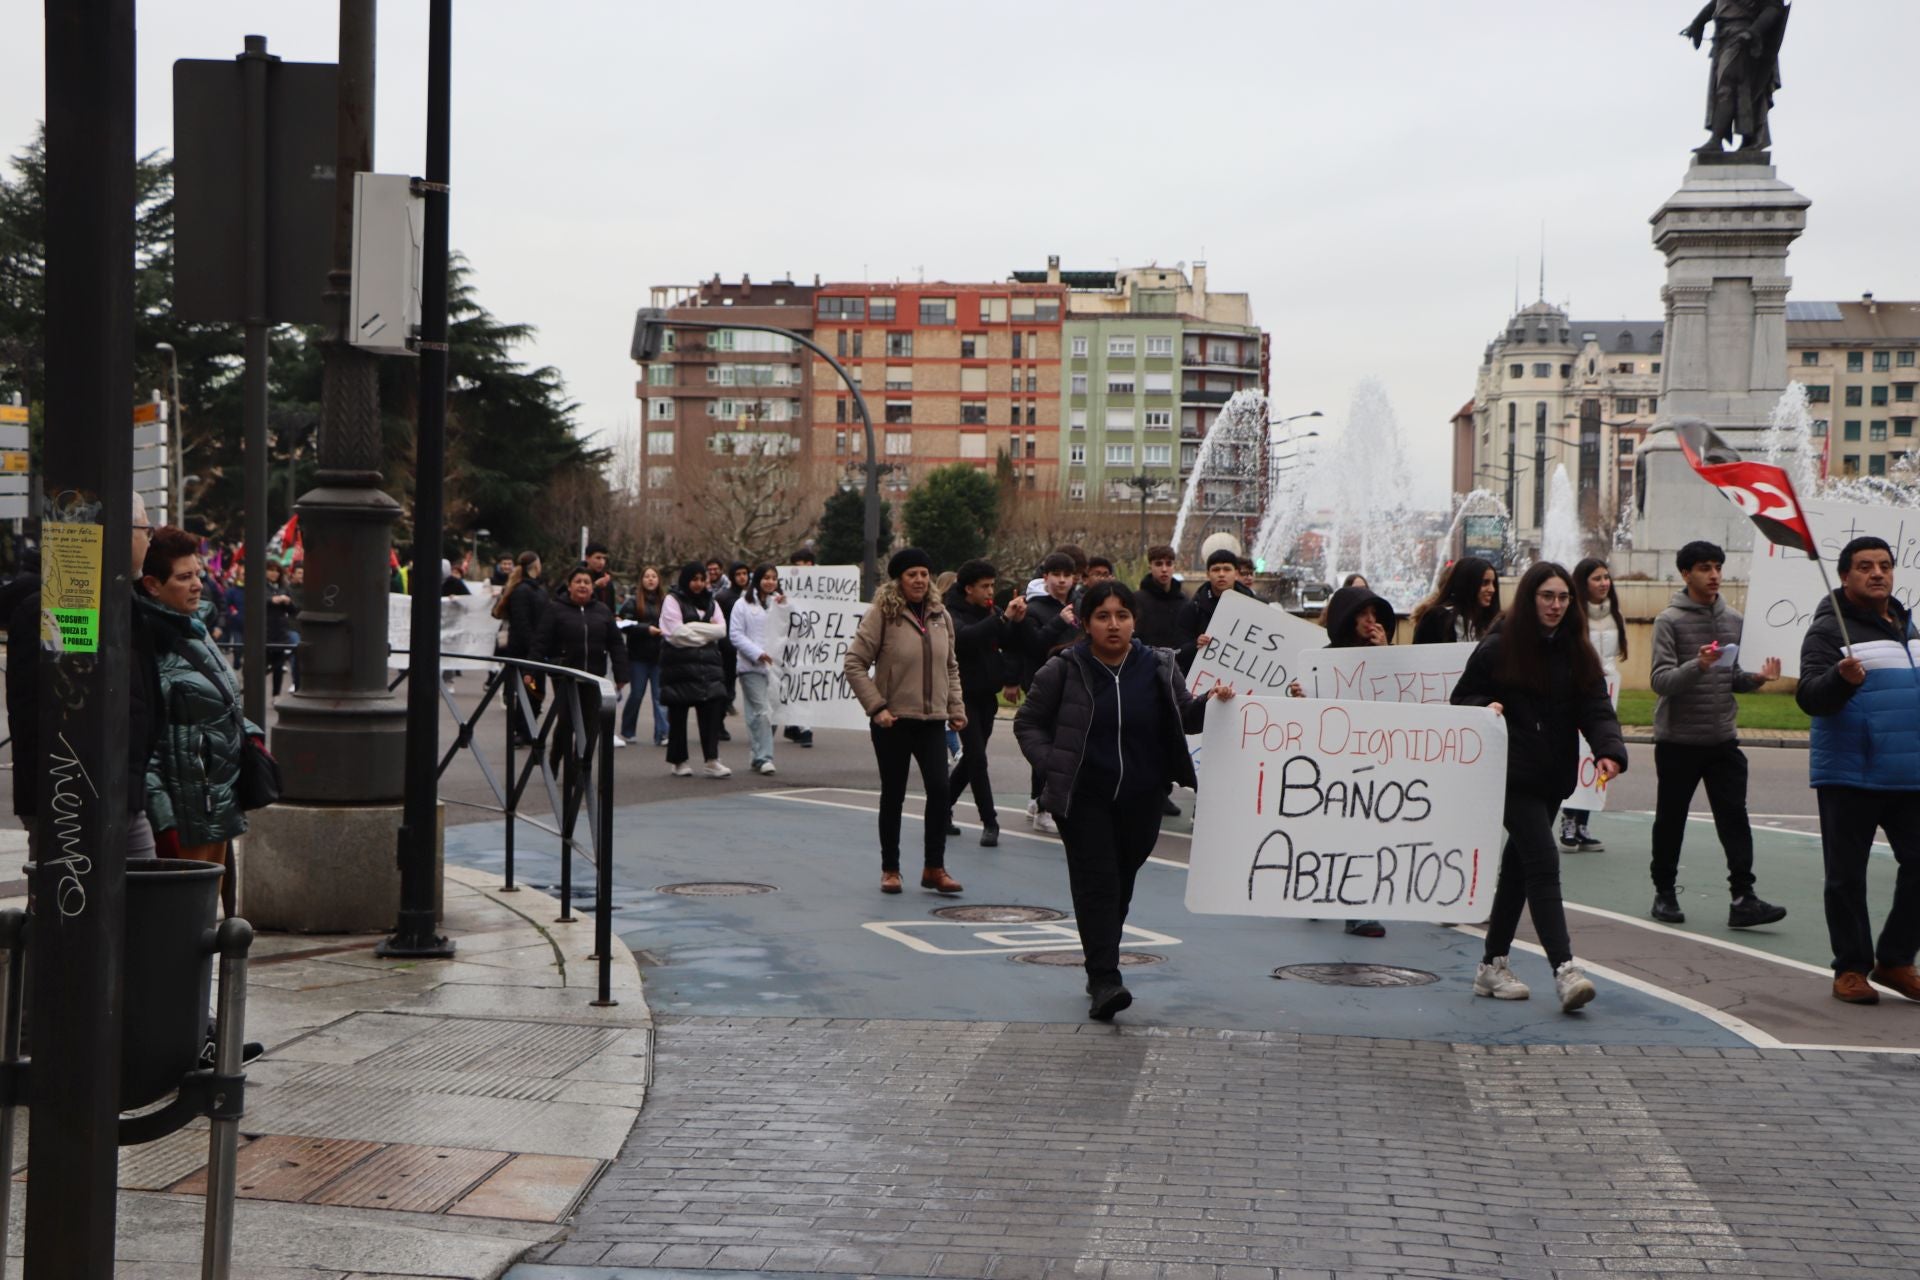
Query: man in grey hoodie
(1696, 672)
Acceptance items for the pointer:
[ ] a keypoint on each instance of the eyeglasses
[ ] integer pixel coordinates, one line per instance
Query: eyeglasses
(143, 528)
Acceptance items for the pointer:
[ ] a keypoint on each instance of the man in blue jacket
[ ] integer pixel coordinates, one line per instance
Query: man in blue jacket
(1864, 697)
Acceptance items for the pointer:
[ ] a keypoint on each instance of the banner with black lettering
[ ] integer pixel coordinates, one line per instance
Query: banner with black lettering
(1382, 810)
(808, 637)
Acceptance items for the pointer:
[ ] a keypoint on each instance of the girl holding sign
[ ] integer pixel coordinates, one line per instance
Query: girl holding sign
(1105, 726)
(1540, 672)
(1593, 588)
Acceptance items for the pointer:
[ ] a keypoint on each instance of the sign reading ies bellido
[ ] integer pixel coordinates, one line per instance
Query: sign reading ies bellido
(1381, 810)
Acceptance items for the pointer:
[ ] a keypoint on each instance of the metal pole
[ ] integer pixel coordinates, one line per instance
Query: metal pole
(79, 871)
(603, 865)
(417, 933)
(13, 926)
(216, 1250)
(253, 396)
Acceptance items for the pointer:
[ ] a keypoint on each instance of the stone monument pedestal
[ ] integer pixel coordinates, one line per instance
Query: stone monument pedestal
(307, 868)
(1725, 234)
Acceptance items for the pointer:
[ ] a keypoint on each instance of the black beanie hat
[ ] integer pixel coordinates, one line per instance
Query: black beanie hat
(908, 558)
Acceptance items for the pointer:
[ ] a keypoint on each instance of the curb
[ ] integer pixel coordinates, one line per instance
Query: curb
(1792, 744)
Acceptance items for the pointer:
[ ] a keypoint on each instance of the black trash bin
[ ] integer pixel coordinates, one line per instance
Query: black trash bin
(172, 904)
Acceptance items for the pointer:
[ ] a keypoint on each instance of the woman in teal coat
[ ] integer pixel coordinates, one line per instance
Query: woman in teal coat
(195, 769)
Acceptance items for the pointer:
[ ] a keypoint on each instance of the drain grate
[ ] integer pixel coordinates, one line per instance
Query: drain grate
(1074, 959)
(1356, 975)
(1000, 915)
(715, 888)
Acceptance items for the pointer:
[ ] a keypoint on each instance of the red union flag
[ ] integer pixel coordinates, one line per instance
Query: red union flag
(1764, 492)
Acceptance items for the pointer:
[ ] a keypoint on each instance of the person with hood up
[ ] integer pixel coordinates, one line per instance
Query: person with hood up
(1539, 671)
(1860, 681)
(579, 631)
(1463, 607)
(903, 667)
(981, 631)
(1696, 671)
(1223, 575)
(690, 670)
(1105, 723)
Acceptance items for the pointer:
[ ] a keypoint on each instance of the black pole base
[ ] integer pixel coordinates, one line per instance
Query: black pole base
(416, 944)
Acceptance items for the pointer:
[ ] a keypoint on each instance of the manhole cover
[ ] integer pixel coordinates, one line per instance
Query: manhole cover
(1356, 975)
(1074, 959)
(715, 888)
(1000, 915)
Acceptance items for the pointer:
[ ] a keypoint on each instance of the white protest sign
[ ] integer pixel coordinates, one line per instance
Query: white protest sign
(809, 636)
(1784, 586)
(1385, 673)
(467, 625)
(1390, 811)
(1252, 646)
(1588, 794)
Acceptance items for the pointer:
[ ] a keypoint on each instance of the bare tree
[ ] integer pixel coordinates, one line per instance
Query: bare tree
(750, 497)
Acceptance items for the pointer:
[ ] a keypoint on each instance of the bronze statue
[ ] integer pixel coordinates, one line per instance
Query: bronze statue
(1746, 69)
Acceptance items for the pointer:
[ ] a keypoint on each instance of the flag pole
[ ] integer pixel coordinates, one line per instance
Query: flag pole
(1836, 597)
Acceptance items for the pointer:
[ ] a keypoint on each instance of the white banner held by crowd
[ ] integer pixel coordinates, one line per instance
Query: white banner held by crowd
(1785, 586)
(1424, 673)
(1388, 811)
(809, 636)
(467, 625)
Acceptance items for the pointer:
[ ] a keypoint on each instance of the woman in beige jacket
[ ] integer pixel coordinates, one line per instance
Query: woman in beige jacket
(902, 667)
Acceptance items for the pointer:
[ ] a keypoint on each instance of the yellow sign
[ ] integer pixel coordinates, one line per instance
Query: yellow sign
(13, 413)
(70, 587)
(14, 461)
(148, 412)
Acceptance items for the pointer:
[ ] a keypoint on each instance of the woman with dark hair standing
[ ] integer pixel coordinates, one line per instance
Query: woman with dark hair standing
(913, 695)
(579, 631)
(1105, 724)
(522, 610)
(1539, 671)
(1599, 603)
(1462, 607)
(691, 670)
(753, 658)
(643, 652)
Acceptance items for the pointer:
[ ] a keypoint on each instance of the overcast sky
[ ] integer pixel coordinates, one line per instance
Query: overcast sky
(1375, 175)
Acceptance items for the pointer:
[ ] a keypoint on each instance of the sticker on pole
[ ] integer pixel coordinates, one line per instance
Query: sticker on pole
(70, 587)
(1381, 810)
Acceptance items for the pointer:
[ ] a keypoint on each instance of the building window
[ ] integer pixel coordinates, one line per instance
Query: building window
(1119, 419)
(840, 409)
(659, 477)
(1077, 420)
(1879, 395)
(1625, 366)
(1080, 348)
(1903, 392)
(973, 444)
(659, 442)
(1046, 310)
(1033, 445)
(1119, 455)
(899, 442)
(1160, 344)
(1543, 371)
(842, 309)
(1566, 371)
(973, 380)
(993, 311)
(899, 344)
(973, 346)
(1516, 371)
(1850, 464)
(973, 412)
(1877, 429)
(1189, 455)
(1033, 414)
(1906, 360)
(1653, 404)
(1157, 455)
(1159, 420)
(1853, 396)
(1017, 345)
(1656, 366)
(900, 377)
(882, 311)
(1077, 491)
(936, 311)
(1903, 426)
(1626, 447)
(1877, 465)
(1120, 346)
(899, 411)
(1079, 384)
(1851, 431)
(1856, 361)
(839, 442)
(1013, 415)
(1809, 357)
(1819, 395)
(1076, 455)
(1882, 361)
(1159, 384)
(659, 375)
(1820, 427)
(659, 410)
(841, 344)
(1119, 384)
(1626, 404)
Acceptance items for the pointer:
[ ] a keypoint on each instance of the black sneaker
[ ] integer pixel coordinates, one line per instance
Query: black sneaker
(1752, 910)
(1169, 809)
(1109, 999)
(953, 828)
(1568, 837)
(1584, 841)
(1666, 907)
(791, 733)
(989, 836)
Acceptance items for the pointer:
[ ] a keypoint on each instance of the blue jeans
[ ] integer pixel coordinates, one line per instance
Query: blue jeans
(646, 676)
(756, 690)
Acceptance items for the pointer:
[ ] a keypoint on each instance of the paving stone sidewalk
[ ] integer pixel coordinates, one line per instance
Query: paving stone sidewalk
(1026, 1151)
(411, 1118)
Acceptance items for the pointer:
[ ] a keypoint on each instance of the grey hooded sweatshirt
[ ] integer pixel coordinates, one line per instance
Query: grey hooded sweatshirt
(1696, 707)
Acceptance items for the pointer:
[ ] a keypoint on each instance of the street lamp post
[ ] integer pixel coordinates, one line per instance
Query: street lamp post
(649, 328)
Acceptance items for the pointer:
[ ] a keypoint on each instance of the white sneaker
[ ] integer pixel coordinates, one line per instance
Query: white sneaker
(619, 741)
(1043, 823)
(681, 770)
(1574, 986)
(765, 767)
(1033, 814)
(714, 769)
(1496, 979)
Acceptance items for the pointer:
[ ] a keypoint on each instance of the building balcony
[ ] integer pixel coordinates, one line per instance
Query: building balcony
(1205, 397)
(1196, 360)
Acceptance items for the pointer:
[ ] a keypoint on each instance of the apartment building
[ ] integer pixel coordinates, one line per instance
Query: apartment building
(1860, 363)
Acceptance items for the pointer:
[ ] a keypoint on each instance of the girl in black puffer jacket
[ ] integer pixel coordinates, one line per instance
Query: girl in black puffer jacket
(579, 632)
(1105, 726)
(691, 670)
(1539, 671)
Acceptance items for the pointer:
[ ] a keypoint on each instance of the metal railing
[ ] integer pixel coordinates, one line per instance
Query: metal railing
(586, 777)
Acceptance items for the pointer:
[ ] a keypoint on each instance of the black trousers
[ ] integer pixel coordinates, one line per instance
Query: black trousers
(1680, 768)
(709, 715)
(1529, 878)
(1107, 842)
(1848, 818)
(972, 769)
(896, 750)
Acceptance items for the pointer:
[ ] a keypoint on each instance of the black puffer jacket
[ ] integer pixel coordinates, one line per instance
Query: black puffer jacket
(979, 635)
(526, 606)
(1044, 633)
(642, 644)
(1051, 725)
(691, 676)
(1544, 727)
(1156, 613)
(584, 637)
